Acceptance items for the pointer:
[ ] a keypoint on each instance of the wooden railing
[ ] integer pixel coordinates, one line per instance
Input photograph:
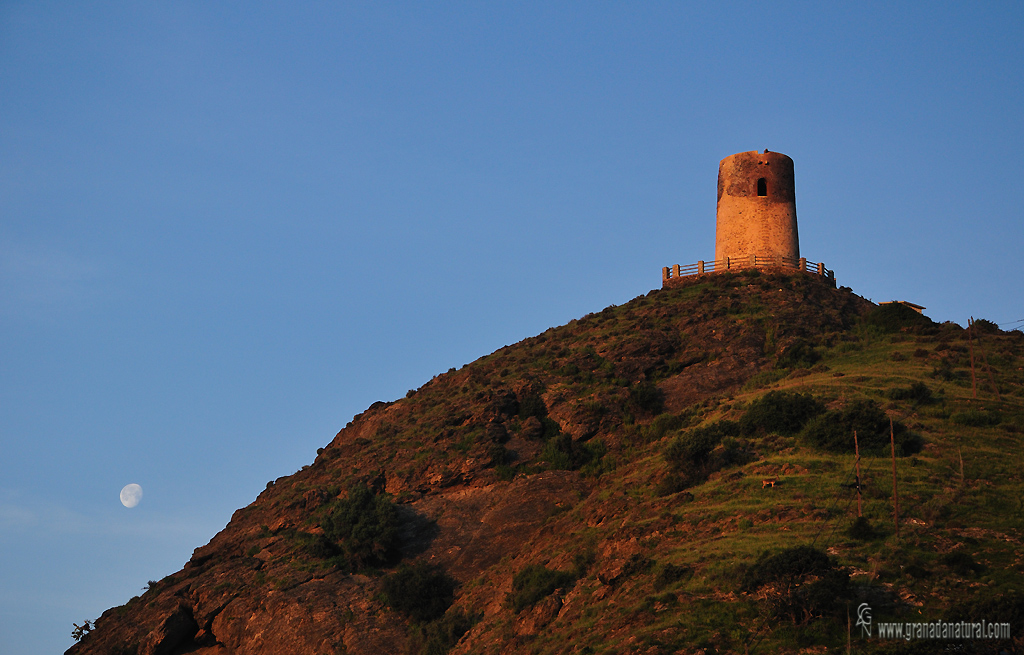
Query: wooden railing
(738, 263)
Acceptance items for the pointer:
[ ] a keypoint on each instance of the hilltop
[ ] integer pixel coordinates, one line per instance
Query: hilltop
(672, 475)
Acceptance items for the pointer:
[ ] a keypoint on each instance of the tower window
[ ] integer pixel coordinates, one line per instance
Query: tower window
(762, 187)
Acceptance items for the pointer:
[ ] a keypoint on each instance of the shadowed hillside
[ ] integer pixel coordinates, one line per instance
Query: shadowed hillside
(673, 475)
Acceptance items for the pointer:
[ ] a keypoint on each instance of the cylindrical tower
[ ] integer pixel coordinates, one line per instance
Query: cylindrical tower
(756, 207)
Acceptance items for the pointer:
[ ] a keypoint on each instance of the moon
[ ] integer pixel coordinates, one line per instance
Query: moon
(131, 495)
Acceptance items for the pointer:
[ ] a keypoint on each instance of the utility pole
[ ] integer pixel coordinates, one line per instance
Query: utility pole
(856, 448)
(988, 369)
(848, 640)
(970, 343)
(895, 495)
(960, 452)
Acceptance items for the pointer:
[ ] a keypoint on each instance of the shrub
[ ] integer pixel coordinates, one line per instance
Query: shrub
(798, 355)
(862, 530)
(763, 379)
(364, 527)
(536, 582)
(918, 392)
(498, 455)
(805, 583)
(567, 454)
(662, 425)
(669, 484)
(962, 563)
(833, 430)
(439, 636)
(693, 447)
(779, 411)
(944, 371)
(985, 326)
(789, 565)
(993, 606)
(647, 398)
(894, 317)
(422, 592)
(692, 455)
(976, 418)
(636, 563)
(669, 574)
(532, 405)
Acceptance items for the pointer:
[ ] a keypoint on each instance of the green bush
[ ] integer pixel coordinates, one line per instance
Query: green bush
(440, 636)
(536, 582)
(498, 455)
(803, 584)
(647, 398)
(779, 411)
(918, 393)
(976, 418)
(363, 527)
(532, 405)
(695, 454)
(894, 317)
(567, 454)
(993, 606)
(798, 355)
(985, 326)
(862, 530)
(669, 574)
(962, 563)
(422, 592)
(662, 425)
(833, 431)
(694, 446)
(791, 564)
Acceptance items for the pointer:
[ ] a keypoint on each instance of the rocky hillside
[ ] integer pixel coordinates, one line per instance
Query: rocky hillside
(673, 475)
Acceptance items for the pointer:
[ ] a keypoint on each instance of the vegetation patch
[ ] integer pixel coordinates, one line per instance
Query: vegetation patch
(440, 636)
(976, 418)
(360, 530)
(782, 412)
(833, 430)
(536, 582)
(423, 592)
(895, 317)
(568, 454)
(699, 452)
(918, 393)
(800, 584)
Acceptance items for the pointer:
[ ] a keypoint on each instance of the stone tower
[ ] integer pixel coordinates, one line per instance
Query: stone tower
(757, 208)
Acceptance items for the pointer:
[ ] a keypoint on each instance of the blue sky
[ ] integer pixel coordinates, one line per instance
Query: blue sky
(225, 228)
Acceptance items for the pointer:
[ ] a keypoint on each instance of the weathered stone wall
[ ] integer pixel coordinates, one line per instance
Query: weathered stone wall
(752, 224)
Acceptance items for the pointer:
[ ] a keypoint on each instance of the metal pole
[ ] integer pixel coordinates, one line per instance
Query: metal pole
(856, 447)
(895, 494)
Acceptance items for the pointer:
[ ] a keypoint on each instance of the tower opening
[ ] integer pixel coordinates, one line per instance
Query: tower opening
(762, 187)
